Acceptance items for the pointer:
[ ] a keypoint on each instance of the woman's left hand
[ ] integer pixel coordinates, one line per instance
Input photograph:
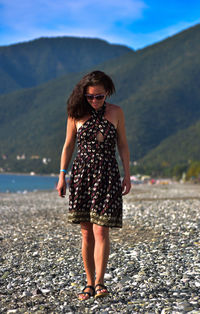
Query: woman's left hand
(126, 185)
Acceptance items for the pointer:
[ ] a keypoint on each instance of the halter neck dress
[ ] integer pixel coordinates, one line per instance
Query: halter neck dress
(95, 192)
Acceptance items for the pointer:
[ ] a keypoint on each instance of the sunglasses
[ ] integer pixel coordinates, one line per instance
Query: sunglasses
(97, 97)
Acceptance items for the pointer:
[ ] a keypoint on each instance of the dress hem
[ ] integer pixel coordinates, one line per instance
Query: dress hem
(78, 217)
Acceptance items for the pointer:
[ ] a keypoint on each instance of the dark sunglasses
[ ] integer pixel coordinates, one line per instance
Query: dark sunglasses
(97, 97)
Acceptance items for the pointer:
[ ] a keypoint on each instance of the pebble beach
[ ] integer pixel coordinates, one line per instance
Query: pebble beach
(154, 264)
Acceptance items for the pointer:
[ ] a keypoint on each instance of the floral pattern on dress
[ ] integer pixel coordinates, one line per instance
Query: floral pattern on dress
(95, 192)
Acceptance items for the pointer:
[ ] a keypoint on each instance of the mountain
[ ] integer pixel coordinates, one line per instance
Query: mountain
(36, 123)
(157, 87)
(158, 90)
(180, 148)
(32, 63)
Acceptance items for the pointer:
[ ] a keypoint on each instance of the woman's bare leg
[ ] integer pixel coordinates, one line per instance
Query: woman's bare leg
(101, 251)
(88, 255)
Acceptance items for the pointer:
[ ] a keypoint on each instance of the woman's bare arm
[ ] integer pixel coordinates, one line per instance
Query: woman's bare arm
(66, 155)
(123, 151)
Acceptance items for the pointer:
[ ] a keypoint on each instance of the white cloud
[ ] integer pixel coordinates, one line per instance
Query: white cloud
(17, 13)
(112, 20)
(26, 19)
(112, 9)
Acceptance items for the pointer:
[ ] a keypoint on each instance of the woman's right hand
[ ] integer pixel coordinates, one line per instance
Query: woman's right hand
(61, 187)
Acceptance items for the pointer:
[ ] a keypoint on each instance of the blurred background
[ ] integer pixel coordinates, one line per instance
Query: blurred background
(150, 49)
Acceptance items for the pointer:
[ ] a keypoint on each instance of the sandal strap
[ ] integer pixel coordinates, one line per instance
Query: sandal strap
(90, 287)
(102, 287)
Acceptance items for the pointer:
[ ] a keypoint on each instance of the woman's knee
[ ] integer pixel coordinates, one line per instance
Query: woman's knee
(87, 231)
(100, 232)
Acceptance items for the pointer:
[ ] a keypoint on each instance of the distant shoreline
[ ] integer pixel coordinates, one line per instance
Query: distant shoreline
(24, 182)
(29, 174)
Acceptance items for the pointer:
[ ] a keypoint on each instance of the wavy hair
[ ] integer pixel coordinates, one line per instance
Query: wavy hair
(77, 105)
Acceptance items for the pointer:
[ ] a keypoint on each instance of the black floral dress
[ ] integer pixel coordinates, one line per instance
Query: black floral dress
(95, 192)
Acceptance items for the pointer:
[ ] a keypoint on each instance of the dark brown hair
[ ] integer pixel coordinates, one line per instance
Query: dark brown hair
(77, 105)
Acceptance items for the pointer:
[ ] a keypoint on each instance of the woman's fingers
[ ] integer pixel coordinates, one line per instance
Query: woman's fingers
(126, 186)
(61, 189)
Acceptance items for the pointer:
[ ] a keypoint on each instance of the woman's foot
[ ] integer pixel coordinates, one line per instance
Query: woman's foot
(86, 293)
(101, 291)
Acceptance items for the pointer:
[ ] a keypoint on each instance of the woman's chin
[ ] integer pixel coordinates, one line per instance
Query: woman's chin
(96, 106)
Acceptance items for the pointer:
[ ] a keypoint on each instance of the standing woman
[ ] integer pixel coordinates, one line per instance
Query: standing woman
(95, 191)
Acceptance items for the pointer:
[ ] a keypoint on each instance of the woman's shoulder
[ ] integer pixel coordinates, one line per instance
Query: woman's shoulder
(114, 111)
(114, 108)
(114, 114)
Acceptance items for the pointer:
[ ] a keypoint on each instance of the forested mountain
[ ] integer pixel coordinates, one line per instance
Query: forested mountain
(157, 87)
(35, 62)
(184, 146)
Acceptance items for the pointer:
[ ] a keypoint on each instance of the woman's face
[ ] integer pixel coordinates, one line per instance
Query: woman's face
(99, 91)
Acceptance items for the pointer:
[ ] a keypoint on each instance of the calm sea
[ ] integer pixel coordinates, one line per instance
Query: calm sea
(21, 183)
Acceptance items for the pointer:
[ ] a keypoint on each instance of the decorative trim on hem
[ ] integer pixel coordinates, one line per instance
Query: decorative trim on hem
(107, 221)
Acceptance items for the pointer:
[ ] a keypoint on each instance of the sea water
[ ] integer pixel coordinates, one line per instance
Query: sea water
(26, 183)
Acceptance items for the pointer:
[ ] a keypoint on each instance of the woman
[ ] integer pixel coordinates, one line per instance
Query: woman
(95, 192)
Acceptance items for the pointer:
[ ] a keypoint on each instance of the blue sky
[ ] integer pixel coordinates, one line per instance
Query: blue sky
(135, 23)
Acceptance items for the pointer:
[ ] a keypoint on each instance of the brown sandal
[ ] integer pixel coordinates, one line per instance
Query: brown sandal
(86, 293)
(101, 294)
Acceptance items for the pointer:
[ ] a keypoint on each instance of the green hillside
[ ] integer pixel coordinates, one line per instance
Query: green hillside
(35, 125)
(157, 87)
(179, 149)
(35, 62)
(159, 91)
